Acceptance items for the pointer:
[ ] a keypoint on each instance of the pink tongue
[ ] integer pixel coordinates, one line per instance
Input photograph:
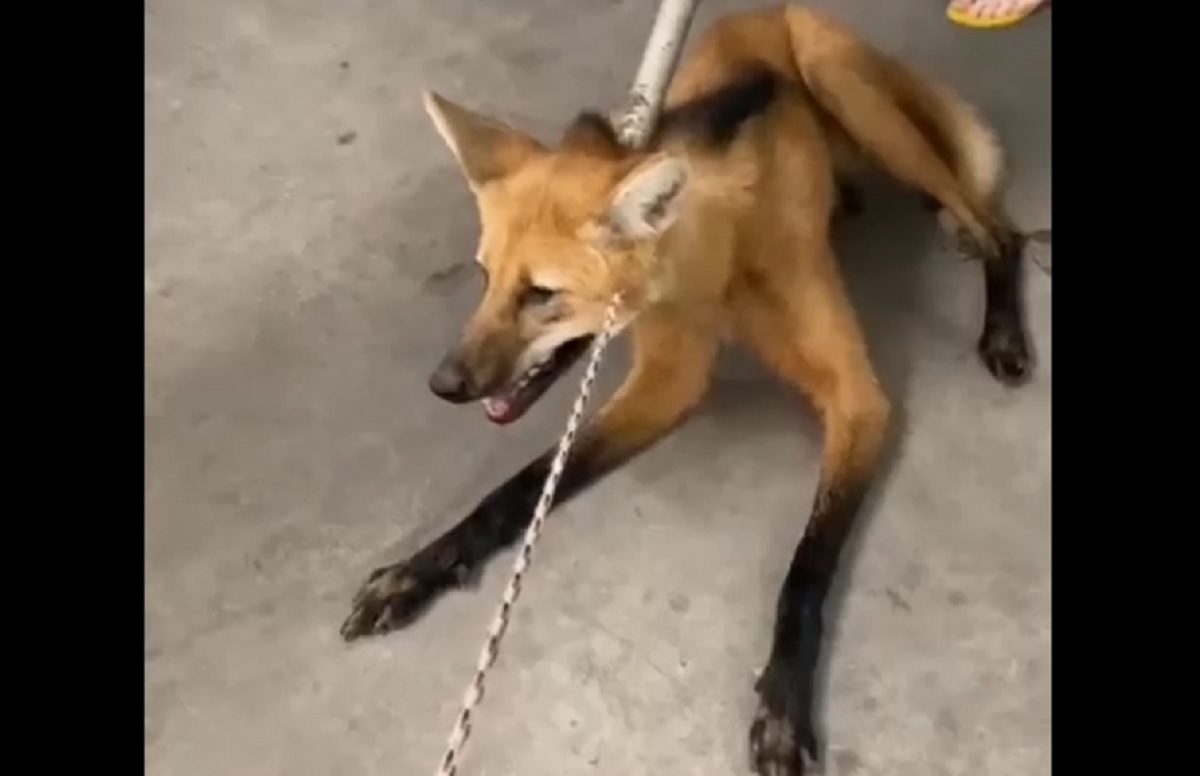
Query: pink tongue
(495, 408)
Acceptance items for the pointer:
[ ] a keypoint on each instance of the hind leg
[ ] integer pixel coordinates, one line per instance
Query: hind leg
(982, 230)
(850, 84)
(868, 110)
(1004, 343)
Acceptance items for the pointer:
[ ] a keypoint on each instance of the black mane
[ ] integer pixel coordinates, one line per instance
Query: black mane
(714, 118)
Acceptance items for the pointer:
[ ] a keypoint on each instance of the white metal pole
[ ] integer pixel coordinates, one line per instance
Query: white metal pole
(634, 122)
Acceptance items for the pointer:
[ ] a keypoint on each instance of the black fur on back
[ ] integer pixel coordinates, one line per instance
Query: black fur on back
(716, 117)
(713, 119)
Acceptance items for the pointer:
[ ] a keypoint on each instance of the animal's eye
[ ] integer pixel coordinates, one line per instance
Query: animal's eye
(537, 295)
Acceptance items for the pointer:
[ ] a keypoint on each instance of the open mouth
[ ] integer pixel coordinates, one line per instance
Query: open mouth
(512, 400)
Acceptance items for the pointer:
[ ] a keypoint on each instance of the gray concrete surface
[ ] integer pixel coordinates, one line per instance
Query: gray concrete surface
(294, 307)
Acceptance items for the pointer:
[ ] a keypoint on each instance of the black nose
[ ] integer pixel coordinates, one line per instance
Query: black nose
(451, 381)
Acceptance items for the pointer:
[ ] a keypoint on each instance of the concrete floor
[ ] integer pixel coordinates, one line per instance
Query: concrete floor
(301, 212)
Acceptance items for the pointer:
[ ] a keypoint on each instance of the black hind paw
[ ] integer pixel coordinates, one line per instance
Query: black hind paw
(1005, 352)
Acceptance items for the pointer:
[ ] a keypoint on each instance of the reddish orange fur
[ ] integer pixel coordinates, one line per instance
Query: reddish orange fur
(708, 237)
(750, 254)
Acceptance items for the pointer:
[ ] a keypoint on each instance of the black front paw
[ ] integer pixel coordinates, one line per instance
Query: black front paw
(393, 596)
(782, 741)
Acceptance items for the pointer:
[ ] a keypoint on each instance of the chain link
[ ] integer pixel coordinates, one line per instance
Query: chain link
(491, 647)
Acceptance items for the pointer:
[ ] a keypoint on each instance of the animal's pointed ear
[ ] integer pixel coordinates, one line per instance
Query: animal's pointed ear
(486, 149)
(646, 202)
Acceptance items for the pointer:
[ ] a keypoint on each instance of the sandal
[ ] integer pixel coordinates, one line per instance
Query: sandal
(992, 13)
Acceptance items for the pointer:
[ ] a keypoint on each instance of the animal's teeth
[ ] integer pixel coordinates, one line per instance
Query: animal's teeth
(531, 373)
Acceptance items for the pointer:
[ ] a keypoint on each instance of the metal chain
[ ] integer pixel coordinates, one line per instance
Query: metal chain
(491, 646)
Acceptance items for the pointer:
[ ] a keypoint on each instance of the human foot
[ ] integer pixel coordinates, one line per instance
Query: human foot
(992, 13)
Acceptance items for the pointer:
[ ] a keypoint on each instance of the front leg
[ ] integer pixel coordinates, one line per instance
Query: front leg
(672, 361)
(815, 345)
(783, 735)
(395, 595)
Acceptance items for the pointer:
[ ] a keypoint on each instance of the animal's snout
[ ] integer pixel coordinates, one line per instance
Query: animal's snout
(452, 380)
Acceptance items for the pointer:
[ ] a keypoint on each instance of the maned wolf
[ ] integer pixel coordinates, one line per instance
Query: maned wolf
(720, 229)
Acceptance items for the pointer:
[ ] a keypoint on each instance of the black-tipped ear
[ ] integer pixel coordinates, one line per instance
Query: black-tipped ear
(486, 149)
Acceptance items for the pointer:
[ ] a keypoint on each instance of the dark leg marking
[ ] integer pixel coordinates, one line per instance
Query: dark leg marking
(1004, 343)
(783, 741)
(394, 596)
